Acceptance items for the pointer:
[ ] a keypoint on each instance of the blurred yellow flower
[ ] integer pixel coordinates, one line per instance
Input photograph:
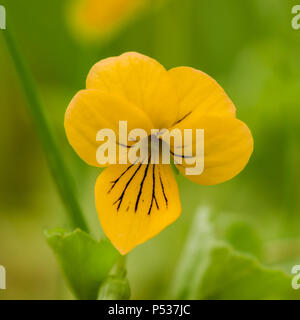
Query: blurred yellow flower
(93, 19)
(137, 201)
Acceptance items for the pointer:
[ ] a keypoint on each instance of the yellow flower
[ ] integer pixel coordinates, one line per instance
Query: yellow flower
(93, 19)
(137, 201)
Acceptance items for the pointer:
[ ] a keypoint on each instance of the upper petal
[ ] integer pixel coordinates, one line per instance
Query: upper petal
(93, 110)
(142, 81)
(228, 145)
(199, 93)
(136, 202)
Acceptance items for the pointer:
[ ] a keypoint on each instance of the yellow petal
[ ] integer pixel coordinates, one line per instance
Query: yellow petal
(136, 202)
(142, 81)
(228, 145)
(93, 110)
(199, 93)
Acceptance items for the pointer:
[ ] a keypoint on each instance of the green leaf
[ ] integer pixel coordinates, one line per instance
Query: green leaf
(193, 259)
(244, 238)
(211, 269)
(85, 262)
(231, 275)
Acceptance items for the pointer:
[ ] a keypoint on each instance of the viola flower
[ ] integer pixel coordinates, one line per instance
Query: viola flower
(93, 19)
(137, 201)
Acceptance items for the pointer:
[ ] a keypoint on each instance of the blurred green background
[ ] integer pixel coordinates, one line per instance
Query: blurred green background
(248, 46)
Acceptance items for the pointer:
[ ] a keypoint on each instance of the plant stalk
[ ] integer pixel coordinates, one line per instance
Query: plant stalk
(59, 170)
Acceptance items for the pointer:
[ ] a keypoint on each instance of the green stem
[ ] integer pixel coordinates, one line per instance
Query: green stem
(119, 269)
(116, 286)
(56, 164)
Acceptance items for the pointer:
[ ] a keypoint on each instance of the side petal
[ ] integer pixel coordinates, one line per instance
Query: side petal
(228, 145)
(142, 81)
(199, 93)
(93, 110)
(136, 202)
